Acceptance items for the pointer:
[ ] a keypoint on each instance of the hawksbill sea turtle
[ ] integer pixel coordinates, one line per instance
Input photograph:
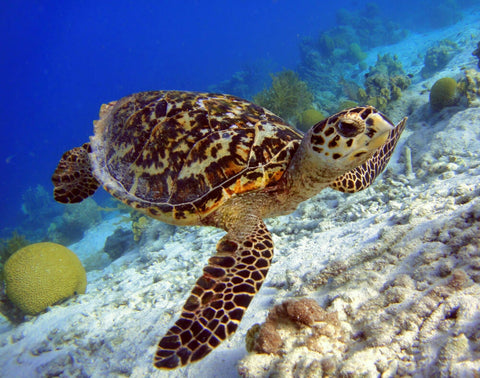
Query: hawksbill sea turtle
(189, 158)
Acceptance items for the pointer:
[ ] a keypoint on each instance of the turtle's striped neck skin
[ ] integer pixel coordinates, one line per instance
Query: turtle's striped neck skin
(336, 146)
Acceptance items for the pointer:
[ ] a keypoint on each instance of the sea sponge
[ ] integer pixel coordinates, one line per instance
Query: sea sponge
(309, 118)
(443, 93)
(42, 274)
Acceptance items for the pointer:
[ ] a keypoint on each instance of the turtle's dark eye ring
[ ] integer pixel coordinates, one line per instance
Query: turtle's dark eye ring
(348, 128)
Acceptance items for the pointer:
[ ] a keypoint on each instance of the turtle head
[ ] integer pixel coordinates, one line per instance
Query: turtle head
(347, 139)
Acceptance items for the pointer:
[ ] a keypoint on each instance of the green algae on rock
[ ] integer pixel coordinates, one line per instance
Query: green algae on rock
(384, 83)
(437, 57)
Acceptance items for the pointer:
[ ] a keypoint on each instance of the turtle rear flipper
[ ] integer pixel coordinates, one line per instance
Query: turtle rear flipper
(364, 175)
(220, 297)
(73, 180)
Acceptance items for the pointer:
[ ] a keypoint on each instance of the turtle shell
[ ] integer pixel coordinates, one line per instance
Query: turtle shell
(178, 156)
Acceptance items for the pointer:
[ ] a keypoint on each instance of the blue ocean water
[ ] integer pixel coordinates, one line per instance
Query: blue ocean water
(62, 60)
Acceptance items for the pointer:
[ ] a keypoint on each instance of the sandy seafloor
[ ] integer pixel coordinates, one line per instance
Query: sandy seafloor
(398, 262)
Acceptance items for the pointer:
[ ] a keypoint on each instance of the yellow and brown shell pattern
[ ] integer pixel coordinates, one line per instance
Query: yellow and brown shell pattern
(178, 156)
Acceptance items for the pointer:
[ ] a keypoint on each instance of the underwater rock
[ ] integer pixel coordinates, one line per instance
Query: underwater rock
(437, 57)
(476, 53)
(297, 324)
(443, 93)
(8, 309)
(453, 143)
(355, 53)
(119, 243)
(76, 219)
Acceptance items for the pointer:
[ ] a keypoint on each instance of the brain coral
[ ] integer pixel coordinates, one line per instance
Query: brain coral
(42, 274)
(443, 93)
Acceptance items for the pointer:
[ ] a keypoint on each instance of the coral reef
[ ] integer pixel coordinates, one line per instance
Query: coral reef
(119, 243)
(42, 274)
(443, 93)
(367, 27)
(476, 53)
(437, 57)
(246, 82)
(8, 309)
(288, 96)
(39, 209)
(309, 118)
(320, 72)
(346, 104)
(76, 219)
(341, 49)
(8, 246)
(139, 224)
(355, 53)
(469, 87)
(291, 314)
(384, 83)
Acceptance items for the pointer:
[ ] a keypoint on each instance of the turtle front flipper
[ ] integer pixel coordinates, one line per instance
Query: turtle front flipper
(364, 175)
(73, 179)
(220, 297)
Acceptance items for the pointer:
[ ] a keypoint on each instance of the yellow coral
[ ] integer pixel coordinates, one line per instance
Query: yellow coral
(42, 274)
(443, 93)
(469, 86)
(139, 224)
(309, 118)
(287, 97)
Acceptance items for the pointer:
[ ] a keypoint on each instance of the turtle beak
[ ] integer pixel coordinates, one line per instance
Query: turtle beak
(377, 130)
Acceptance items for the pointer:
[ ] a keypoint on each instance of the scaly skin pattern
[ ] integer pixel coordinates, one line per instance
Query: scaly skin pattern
(221, 296)
(73, 179)
(217, 160)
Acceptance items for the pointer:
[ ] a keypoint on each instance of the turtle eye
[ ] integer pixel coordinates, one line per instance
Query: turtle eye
(348, 128)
